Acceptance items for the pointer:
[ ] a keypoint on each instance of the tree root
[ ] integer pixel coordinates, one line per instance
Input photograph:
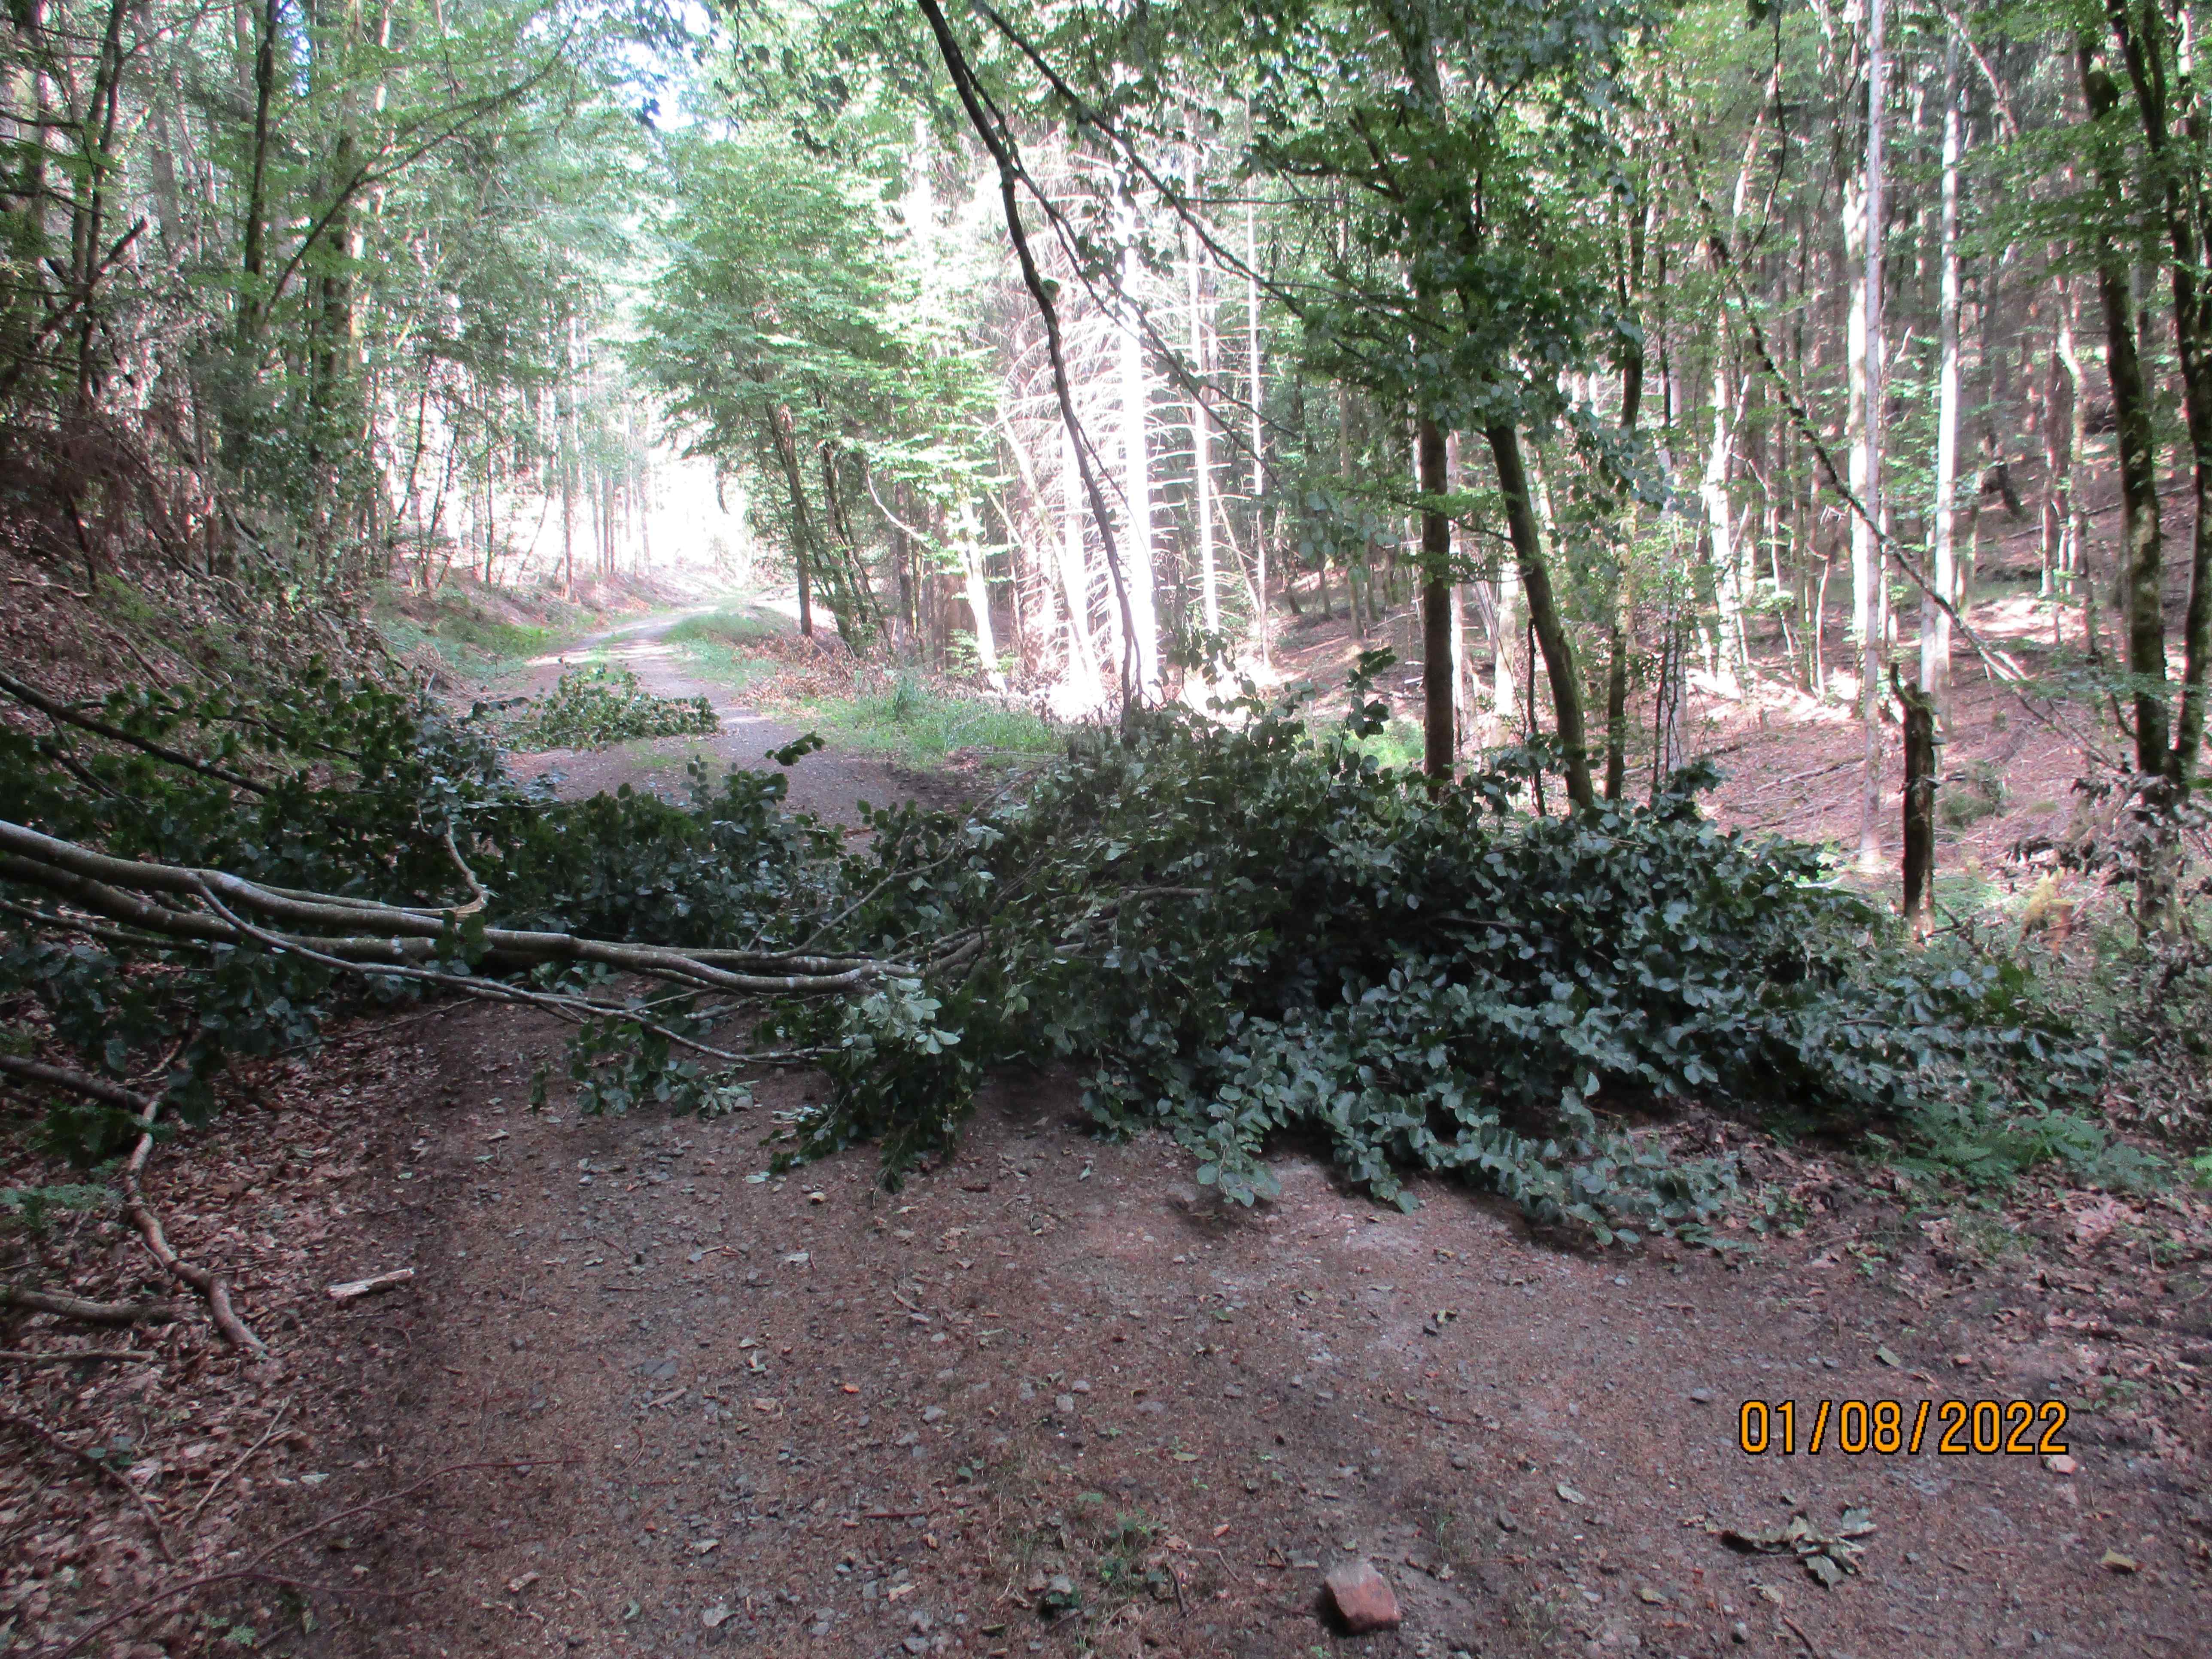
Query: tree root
(214, 1288)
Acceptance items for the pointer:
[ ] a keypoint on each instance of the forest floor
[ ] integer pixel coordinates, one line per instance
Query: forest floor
(639, 1398)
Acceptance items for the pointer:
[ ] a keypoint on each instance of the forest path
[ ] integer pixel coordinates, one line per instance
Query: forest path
(804, 1416)
(830, 783)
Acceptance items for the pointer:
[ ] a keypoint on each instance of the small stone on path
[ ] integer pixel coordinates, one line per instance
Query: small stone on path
(1363, 1599)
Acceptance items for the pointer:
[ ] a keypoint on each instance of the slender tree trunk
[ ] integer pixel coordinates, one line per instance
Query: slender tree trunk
(1720, 522)
(1869, 564)
(1619, 624)
(2186, 204)
(1462, 669)
(802, 522)
(568, 464)
(1074, 578)
(968, 533)
(1543, 612)
(253, 240)
(2078, 560)
(1934, 621)
(1137, 488)
(1504, 696)
(2143, 541)
(1254, 393)
(1201, 437)
(1919, 825)
(1439, 733)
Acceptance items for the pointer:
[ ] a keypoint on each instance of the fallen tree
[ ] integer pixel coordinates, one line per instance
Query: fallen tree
(1231, 926)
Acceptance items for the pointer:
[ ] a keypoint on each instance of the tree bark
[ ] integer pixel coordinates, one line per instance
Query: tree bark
(1870, 563)
(1137, 488)
(253, 259)
(802, 532)
(1543, 611)
(1439, 739)
(1919, 826)
(2187, 208)
(2142, 540)
(1074, 578)
(1201, 432)
(1934, 621)
(1253, 392)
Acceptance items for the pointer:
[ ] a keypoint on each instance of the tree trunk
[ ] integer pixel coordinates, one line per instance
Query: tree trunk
(1620, 623)
(1919, 804)
(1439, 743)
(1869, 564)
(1503, 696)
(802, 522)
(1074, 578)
(2187, 208)
(1259, 438)
(1720, 523)
(253, 261)
(1137, 490)
(978, 592)
(2143, 542)
(1543, 611)
(1201, 442)
(1934, 621)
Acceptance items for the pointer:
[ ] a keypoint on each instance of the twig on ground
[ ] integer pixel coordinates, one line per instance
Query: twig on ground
(40, 1433)
(212, 1285)
(244, 1458)
(86, 1312)
(66, 1356)
(360, 1287)
(252, 1569)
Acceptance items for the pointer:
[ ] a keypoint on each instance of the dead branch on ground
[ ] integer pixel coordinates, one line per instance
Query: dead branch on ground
(214, 1289)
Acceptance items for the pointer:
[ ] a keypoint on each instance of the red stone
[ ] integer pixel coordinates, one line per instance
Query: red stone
(1363, 1598)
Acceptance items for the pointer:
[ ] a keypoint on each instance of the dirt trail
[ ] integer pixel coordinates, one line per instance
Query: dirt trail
(830, 783)
(804, 1416)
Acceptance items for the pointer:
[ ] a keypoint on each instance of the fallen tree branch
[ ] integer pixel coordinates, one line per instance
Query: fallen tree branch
(90, 1313)
(353, 1288)
(214, 1288)
(71, 1355)
(116, 887)
(62, 714)
(39, 1432)
(212, 1285)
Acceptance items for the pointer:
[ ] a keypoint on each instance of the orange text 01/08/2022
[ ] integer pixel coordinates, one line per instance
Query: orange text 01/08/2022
(1953, 1428)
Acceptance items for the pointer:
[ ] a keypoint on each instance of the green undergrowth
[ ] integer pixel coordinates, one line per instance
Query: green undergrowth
(922, 724)
(734, 625)
(1234, 931)
(736, 666)
(602, 704)
(458, 626)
